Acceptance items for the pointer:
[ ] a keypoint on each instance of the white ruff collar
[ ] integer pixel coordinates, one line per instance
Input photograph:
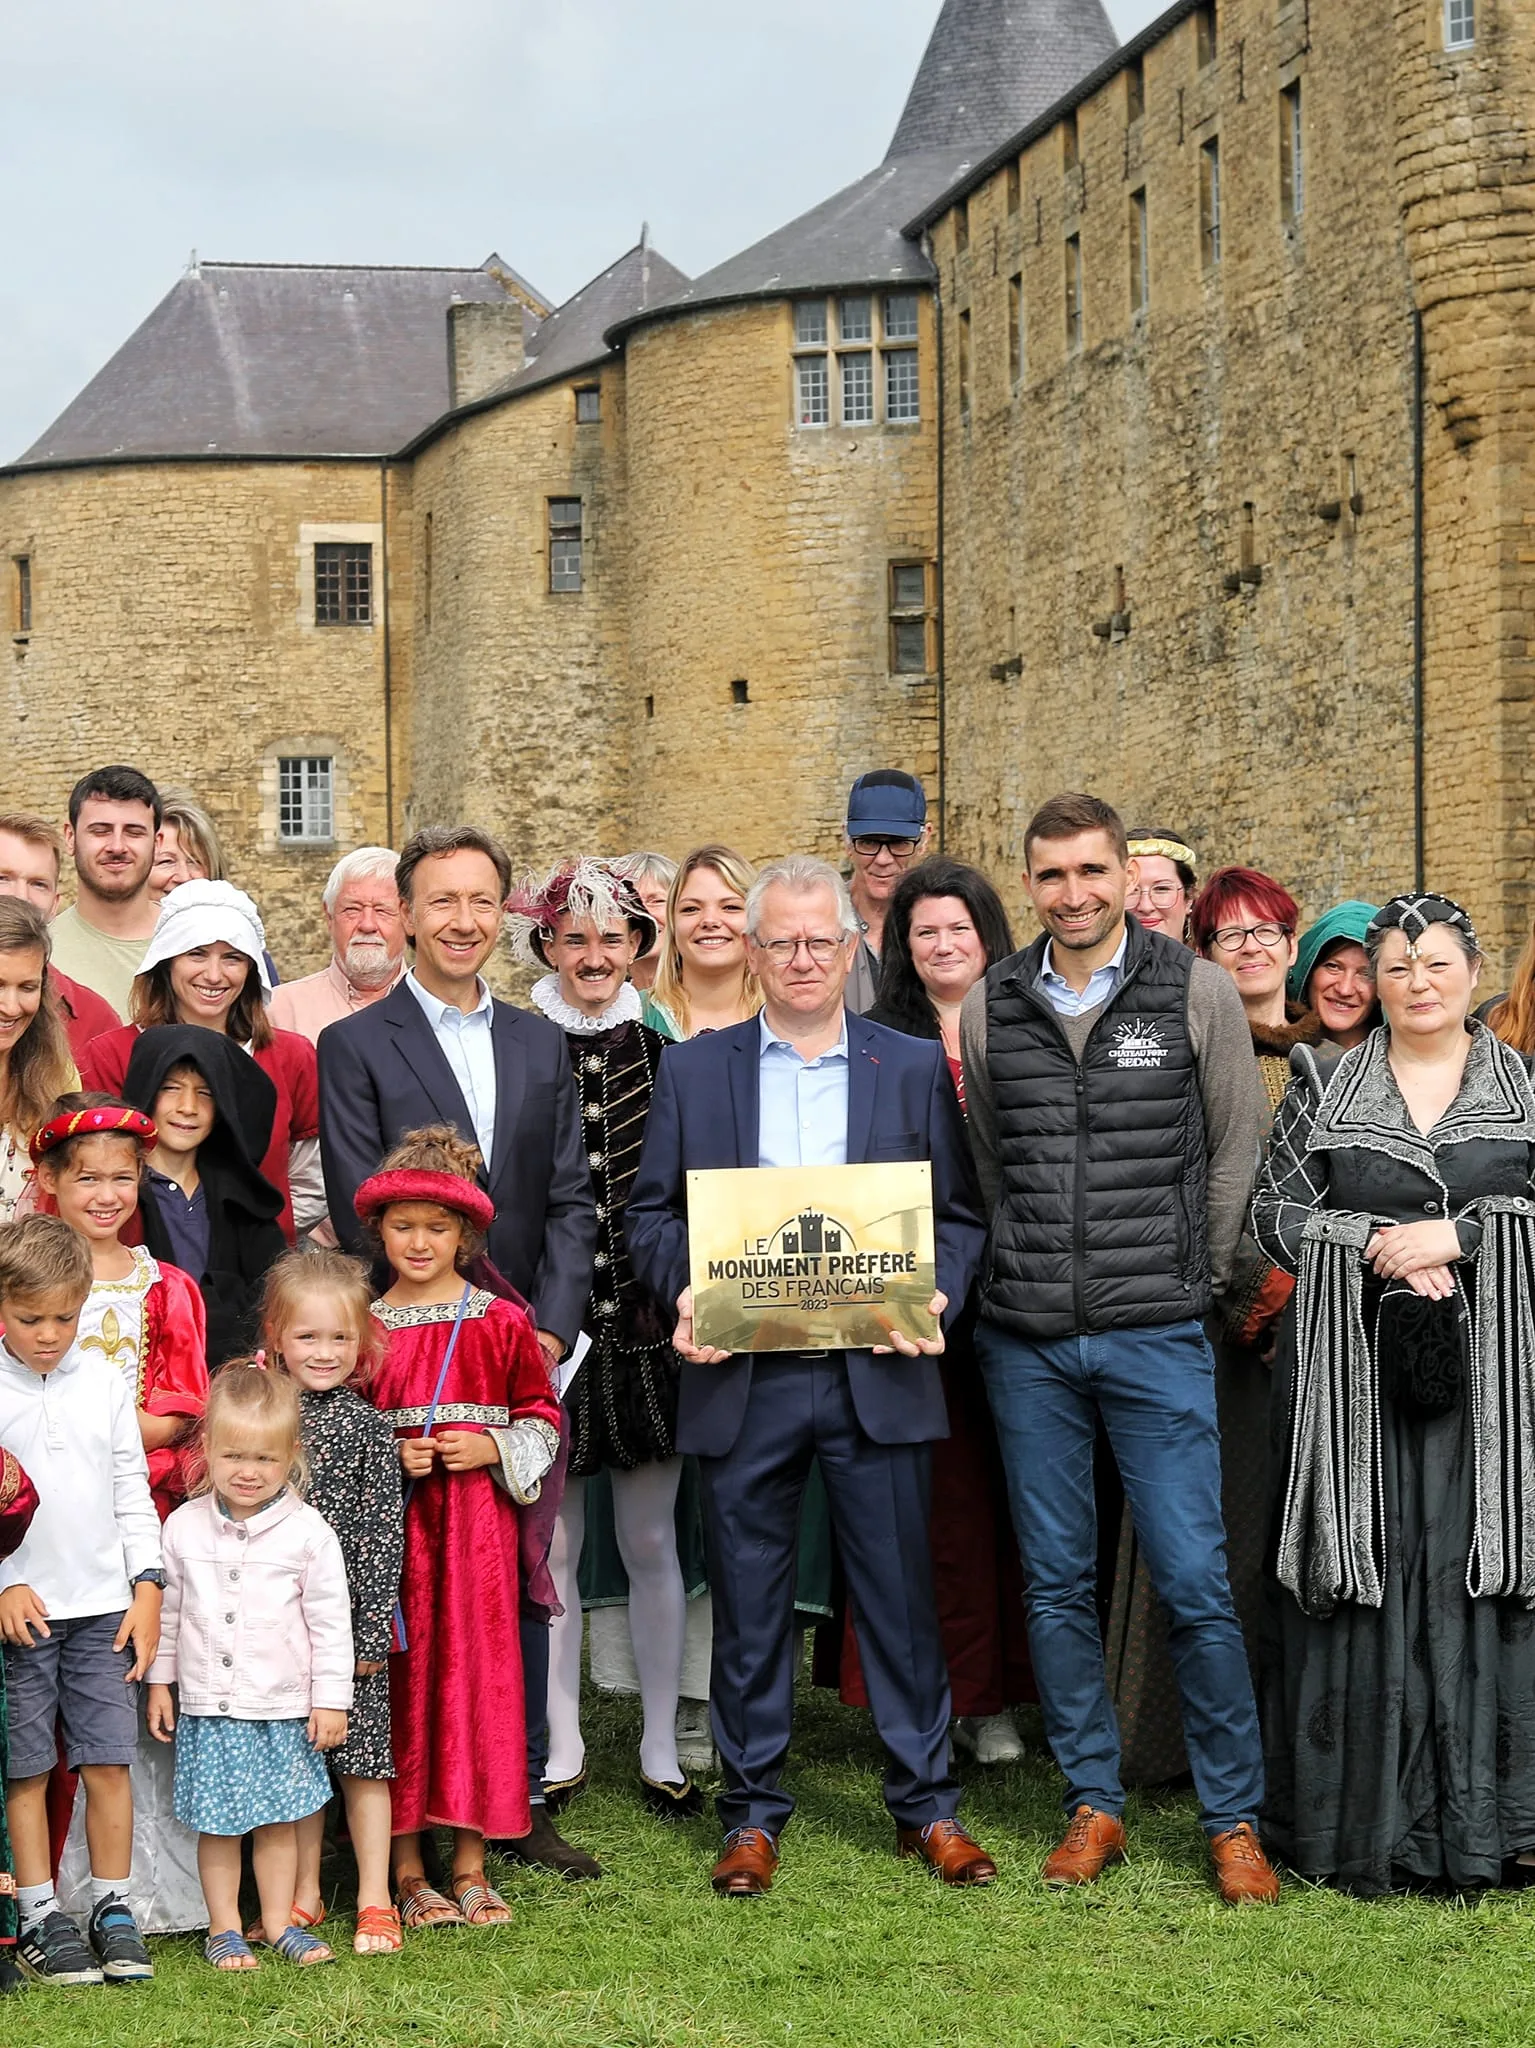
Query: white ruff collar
(624, 1009)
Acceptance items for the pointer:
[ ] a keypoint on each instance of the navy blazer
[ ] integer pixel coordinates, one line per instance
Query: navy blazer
(900, 1105)
(382, 1073)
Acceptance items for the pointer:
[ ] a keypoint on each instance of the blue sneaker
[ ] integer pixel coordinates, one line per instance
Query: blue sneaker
(118, 1944)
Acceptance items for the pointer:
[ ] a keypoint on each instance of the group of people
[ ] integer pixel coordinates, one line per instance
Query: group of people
(348, 1352)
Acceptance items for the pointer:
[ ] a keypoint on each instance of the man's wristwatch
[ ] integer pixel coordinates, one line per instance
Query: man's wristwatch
(153, 1578)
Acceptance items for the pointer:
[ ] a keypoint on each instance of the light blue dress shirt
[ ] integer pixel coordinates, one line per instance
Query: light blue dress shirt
(470, 1051)
(802, 1104)
(1102, 982)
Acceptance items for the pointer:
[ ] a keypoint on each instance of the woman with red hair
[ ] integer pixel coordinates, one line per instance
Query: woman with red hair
(1246, 922)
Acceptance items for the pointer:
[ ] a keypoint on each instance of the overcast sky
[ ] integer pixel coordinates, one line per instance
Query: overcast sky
(411, 131)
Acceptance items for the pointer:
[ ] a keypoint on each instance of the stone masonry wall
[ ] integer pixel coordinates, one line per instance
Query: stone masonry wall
(172, 627)
(1468, 197)
(518, 723)
(1272, 725)
(759, 554)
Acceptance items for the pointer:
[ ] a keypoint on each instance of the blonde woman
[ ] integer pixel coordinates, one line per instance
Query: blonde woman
(704, 982)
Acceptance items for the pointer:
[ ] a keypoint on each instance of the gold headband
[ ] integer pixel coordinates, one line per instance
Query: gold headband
(1170, 849)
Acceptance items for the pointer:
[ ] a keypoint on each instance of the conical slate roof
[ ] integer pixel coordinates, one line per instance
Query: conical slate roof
(992, 66)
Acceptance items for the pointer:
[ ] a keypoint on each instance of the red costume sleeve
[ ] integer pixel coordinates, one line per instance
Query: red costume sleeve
(86, 1016)
(104, 1066)
(18, 1503)
(175, 1373)
(301, 1080)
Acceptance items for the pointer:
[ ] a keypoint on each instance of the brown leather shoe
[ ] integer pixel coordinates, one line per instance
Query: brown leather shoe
(745, 1871)
(1092, 1842)
(945, 1847)
(1243, 1874)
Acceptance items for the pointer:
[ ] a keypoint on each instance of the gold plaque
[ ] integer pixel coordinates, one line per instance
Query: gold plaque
(811, 1258)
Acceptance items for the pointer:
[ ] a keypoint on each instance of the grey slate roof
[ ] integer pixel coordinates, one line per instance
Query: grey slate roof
(574, 336)
(1013, 143)
(852, 239)
(242, 359)
(992, 66)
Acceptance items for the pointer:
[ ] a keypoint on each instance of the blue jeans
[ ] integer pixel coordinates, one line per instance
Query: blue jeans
(1155, 1389)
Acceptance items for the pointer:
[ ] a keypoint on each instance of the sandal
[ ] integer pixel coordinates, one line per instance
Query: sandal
(480, 1906)
(380, 1923)
(421, 1905)
(297, 1917)
(229, 1951)
(298, 1945)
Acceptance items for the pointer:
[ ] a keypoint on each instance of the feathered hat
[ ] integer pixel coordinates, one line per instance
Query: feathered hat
(589, 890)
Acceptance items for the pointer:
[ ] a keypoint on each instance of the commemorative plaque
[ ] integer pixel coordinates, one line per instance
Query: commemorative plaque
(811, 1258)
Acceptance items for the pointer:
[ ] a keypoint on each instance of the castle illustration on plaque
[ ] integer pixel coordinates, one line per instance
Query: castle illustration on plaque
(811, 1258)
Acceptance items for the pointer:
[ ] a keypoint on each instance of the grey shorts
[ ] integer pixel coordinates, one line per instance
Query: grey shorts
(73, 1677)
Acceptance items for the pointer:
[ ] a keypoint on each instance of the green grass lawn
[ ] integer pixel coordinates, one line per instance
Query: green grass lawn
(854, 1947)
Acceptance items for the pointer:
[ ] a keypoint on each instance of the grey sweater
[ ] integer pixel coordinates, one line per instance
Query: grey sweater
(1236, 1108)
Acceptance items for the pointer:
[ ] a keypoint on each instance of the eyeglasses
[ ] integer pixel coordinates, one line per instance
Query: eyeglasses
(782, 951)
(1232, 937)
(877, 842)
(1163, 894)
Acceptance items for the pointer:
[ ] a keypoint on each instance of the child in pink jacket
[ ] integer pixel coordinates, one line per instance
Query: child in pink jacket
(257, 1635)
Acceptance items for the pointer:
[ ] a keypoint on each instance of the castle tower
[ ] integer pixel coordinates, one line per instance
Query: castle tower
(993, 66)
(783, 618)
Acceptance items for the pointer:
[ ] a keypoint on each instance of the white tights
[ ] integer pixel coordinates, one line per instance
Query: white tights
(644, 1508)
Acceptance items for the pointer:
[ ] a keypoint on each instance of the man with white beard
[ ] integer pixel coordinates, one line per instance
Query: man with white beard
(367, 935)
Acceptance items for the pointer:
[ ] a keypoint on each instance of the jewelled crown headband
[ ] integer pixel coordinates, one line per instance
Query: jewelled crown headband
(1170, 849)
(89, 1123)
(1412, 916)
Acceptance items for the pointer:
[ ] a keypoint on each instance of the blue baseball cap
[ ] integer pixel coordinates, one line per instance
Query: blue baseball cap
(886, 803)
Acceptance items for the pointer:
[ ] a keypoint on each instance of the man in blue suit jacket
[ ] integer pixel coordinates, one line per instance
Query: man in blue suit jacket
(808, 1084)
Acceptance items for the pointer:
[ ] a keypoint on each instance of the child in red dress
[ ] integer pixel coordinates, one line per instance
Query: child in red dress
(465, 1385)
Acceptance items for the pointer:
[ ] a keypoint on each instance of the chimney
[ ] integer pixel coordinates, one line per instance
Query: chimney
(484, 347)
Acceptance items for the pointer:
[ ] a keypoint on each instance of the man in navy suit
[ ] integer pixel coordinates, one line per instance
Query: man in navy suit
(438, 1049)
(808, 1084)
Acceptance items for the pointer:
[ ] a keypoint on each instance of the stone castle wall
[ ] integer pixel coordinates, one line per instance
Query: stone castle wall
(759, 555)
(1123, 485)
(173, 627)
(1467, 194)
(519, 721)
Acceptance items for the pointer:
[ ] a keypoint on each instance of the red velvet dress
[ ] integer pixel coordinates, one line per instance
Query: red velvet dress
(289, 1060)
(455, 1690)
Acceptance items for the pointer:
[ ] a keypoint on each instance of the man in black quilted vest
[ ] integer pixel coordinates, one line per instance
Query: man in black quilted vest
(1116, 1113)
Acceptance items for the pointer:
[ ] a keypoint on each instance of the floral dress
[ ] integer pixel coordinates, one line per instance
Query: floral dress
(355, 1483)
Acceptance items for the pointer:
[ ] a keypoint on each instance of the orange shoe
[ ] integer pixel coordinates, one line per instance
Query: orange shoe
(1092, 1842)
(745, 1870)
(1243, 1874)
(944, 1846)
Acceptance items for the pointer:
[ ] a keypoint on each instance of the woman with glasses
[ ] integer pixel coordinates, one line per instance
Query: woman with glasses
(1332, 974)
(945, 926)
(1163, 891)
(1244, 921)
(1399, 1705)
